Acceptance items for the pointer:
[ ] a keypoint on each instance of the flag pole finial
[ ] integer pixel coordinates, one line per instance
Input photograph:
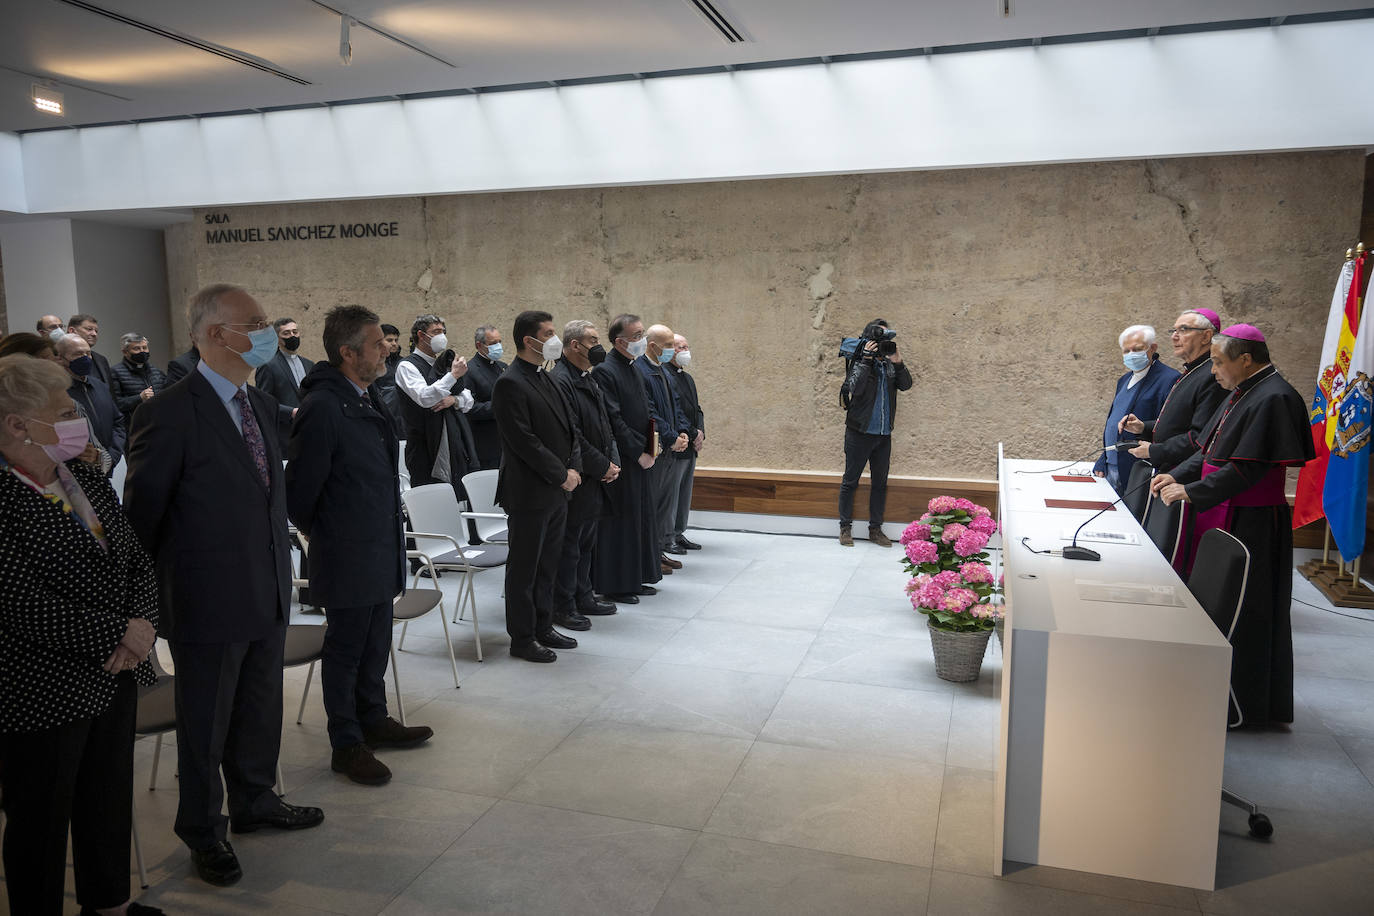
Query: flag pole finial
(1350, 254)
(1359, 249)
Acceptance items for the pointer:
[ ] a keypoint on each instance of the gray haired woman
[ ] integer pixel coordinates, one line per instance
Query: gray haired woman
(78, 617)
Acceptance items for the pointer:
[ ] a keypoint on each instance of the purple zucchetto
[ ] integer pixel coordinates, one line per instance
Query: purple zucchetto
(1211, 316)
(1243, 332)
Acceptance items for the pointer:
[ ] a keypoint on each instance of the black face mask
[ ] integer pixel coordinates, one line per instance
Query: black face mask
(597, 355)
(138, 359)
(292, 344)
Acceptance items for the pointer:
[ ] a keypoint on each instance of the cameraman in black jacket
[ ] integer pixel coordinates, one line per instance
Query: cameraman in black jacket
(869, 394)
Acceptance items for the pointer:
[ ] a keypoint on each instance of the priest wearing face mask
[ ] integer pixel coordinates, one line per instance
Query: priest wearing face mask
(206, 494)
(541, 466)
(1139, 393)
(627, 541)
(439, 443)
(92, 397)
(134, 379)
(1235, 481)
(691, 406)
(484, 369)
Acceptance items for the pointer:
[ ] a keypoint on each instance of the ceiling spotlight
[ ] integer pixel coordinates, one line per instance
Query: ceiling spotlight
(345, 46)
(47, 99)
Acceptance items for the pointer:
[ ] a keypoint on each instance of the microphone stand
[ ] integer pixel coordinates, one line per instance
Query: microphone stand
(1073, 551)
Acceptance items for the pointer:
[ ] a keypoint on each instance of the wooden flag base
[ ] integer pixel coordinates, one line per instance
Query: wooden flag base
(1342, 590)
(1313, 568)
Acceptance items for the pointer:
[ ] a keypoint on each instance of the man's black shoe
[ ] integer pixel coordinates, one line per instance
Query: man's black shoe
(676, 548)
(647, 590)
(358, 764)
(624, 599)
(689, 545)
(597, 609)
(556, 640)
(390, 733)
(534, 653)
(571, 620)
(217, 864)
(283, 817)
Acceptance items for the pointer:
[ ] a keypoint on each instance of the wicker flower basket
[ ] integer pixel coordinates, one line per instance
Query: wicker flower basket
(958, 656)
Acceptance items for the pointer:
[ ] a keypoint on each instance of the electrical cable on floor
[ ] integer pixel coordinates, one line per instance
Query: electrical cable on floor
(1332, 611)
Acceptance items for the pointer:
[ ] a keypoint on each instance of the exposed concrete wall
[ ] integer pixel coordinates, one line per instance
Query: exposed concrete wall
(1008, 286)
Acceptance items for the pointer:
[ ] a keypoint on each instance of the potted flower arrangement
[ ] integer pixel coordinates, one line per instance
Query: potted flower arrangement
(951, 582)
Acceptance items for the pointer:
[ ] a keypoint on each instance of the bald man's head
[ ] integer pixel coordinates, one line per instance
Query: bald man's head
(660, 338)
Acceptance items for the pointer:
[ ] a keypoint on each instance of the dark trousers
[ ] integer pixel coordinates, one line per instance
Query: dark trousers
(573, 588)
(684, 494)
(80, 773)
(535, 541)
(352, 667)
(876, 452)
(228, 698)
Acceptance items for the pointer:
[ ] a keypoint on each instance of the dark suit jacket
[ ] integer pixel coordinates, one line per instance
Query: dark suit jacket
(691, 405)
(276, 379)
(102, 369)
(65, 603)
(538, 438)
(217, 537)
(343, 493)
(1145, 400)
(481, 379)
(182, 366)
(627, 406)
(595, 440)
(664, 404)
(97, 403)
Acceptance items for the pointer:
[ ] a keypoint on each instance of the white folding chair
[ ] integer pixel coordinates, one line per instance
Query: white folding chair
(435, 516)
(488, 517)
(417, 602)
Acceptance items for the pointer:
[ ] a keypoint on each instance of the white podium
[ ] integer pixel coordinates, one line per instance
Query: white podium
(1114, 694)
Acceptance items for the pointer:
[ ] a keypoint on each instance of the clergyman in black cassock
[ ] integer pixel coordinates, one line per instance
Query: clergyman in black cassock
(627, 544)
(540, 466)
(1236, 482)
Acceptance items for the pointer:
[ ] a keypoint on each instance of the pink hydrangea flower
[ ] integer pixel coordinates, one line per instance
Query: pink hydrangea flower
(970, 543)
(953, 531)
(925, 519)
(946, 579)
(980, 512)
(960, 599)
(966, 505)
(942, 504)
(915, 532)
(930, 595)
(983, 524)
(919, 552)
(977, 573)
(914, 586)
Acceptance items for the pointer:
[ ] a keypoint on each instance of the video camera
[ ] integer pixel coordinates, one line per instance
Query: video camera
(885, 338)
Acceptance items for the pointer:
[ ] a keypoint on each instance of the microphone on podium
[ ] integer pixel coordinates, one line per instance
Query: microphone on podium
(1073, 551)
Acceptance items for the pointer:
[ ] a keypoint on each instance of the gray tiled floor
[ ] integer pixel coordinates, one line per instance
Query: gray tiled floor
(765, 736)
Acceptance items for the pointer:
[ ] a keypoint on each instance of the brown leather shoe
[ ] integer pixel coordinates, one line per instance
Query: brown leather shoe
(358, 764)
(669, 561)
(390, 733)
(846, 536)
(665, 569)
(876, 536)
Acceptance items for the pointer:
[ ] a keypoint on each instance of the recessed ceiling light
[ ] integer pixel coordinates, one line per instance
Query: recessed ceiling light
(47, 100)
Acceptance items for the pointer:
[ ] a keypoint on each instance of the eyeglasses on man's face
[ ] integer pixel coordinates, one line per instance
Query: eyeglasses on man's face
(1182, 329)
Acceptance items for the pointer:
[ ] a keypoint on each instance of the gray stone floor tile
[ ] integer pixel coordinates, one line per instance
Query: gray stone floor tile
(653, 775)
(1361, 751)
(626, 635)
(736, 647)
(856, 657)
(790, 609)
(728, 876)
(1296, 770)
(1344, 706)
(575, 684)
(955, 894)
(861, 719)
(688, 698)
(1337, 655)
(528, 859)
(963, 841)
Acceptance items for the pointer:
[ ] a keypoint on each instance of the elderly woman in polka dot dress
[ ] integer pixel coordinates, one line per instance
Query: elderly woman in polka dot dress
(78, 612)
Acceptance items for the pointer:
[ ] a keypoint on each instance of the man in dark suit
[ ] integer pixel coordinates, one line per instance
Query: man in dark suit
(282, 376)
(484, 369)
(674, 435)
(93, 398)
(183, 365)
(540, 467)
(691, 407)
(343, 494)
(207, 496)
(88, 329)
(627, 554)
(574, 599)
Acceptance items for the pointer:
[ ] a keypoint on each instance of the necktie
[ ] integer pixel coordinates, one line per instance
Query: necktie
(252, 437)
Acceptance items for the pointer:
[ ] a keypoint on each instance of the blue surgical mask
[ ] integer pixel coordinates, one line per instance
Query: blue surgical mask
(666, 357)
(494, 352)
(264, 345)
(1136, 360)
(636, 347)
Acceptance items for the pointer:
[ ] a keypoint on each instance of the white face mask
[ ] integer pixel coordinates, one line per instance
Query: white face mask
(553, 349)
(438, 343)
(637, 348)
(684, 358)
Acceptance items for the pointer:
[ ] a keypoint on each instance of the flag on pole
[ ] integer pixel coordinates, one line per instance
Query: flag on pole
(1347, 473)
(1341, 325)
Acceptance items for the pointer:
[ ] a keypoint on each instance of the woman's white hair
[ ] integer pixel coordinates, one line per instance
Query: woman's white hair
(1146, 329)
(27, 383)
